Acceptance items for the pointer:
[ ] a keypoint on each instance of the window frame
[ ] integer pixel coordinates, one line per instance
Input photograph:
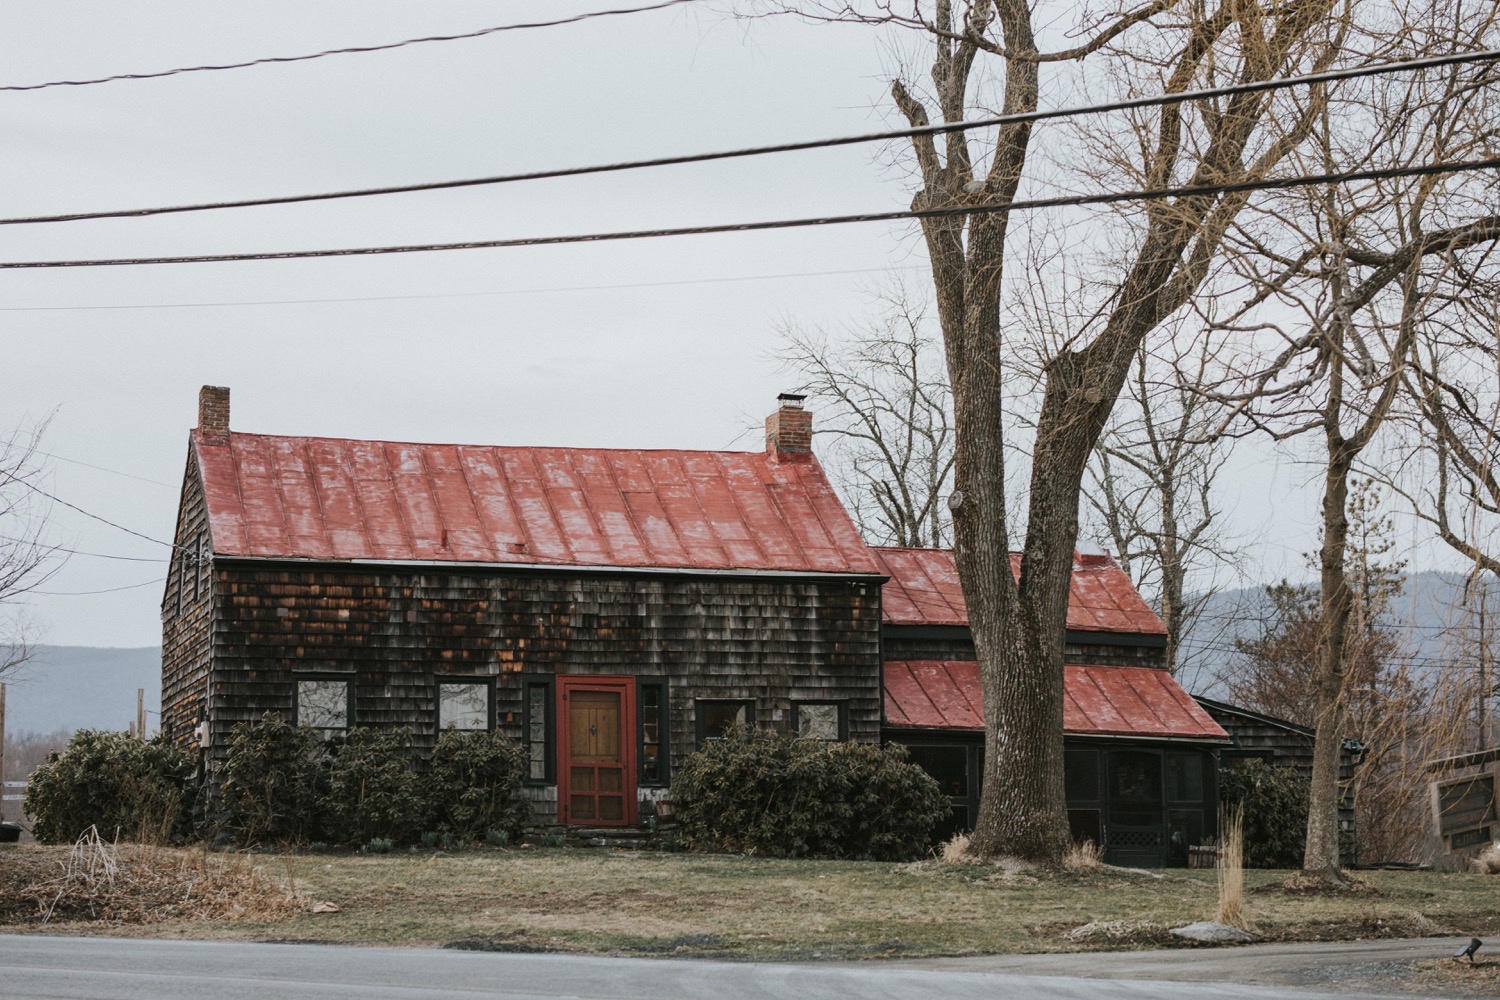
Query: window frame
(548, 682)
(663, 777)
(843, 719)
(700, 724)
(437, 703)
(346, 679)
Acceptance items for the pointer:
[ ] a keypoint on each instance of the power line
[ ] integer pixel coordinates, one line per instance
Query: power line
(89, 593)
(79, 552)
(1156, 194)
(446, 295)
(37, 489)
(87, 465)
(1485, 55)
(350, 50)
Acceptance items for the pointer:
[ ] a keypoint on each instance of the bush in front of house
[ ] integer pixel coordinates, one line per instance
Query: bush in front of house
(771, 793)
(373, 792)
(289, 785)
(273, 785)
(1275, 801)
(473, 785)
(127, 788)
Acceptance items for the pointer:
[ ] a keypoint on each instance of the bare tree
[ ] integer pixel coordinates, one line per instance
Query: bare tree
(1362, 268)
(26, 559)
(885, 403)
(1168, 250)
(1152, 481)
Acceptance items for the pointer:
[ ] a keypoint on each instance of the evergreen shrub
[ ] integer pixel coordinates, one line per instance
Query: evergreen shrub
(273, 783)
(1275, 802)
(126, 787)
(473, 785)
(771, 793)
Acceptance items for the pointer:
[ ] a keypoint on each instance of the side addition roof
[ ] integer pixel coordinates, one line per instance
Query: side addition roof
(1136, 702)
(924, 590)
(335, 500)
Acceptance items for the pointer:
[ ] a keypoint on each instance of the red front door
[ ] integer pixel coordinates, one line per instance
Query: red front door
(596, 773)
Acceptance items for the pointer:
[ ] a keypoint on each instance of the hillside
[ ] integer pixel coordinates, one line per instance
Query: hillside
(77, 687)
(1428, 615)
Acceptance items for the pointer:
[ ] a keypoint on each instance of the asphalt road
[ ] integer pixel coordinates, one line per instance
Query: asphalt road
(62, 968)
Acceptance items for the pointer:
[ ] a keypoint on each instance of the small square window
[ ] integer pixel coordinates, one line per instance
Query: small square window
(464, 705)
(715, 718)
(820, 720)
(323, 704)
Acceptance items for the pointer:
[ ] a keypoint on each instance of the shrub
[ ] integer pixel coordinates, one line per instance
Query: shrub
(124, 786)
(373, 792)
(1274, 800)
(274, 783)
(472, 783)
(772, 793)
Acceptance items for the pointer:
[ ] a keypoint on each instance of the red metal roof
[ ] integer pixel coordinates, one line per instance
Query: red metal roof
(337, 500)
(924, 590)
(1097, 701)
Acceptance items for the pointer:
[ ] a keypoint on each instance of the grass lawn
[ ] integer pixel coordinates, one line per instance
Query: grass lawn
(594, 900)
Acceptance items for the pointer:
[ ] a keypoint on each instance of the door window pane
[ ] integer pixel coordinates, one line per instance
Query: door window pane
(1081, 775)
(1135, 788)
(1185, 777)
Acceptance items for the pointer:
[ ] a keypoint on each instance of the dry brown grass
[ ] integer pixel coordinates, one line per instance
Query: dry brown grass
(617, 902)
(1083, 857)
(130, 884)
(955, 851)
(1488, 862)
(1231, 868)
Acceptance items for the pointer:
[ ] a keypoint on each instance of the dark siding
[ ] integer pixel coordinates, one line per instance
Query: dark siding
(944, 643)
(771, 641)
(186, 619)
(1287, 746)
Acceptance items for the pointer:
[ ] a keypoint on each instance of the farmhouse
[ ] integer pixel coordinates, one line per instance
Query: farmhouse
(611, 609)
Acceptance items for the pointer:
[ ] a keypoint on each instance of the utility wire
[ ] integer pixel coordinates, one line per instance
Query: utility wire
(90, 593)
(96, 517)
(1485, 55)
(1156, 194)
(87, 465)
(351, 50)
(79, 552)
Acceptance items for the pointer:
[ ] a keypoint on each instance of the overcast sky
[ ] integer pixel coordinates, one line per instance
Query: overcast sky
(660, 343)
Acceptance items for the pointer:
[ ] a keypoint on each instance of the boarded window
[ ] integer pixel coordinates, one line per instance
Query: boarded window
(464, 705)
(323, 703)
(820, 720)
(716, 717)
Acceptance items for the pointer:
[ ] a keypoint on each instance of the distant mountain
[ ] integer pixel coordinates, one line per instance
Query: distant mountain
(1428, 614)
(82, 687)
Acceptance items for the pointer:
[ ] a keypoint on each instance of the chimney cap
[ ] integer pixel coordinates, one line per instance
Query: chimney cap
(791, 398)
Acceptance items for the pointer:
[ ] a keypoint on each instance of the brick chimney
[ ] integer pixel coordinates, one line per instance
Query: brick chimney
(789, 430)
(213, 411)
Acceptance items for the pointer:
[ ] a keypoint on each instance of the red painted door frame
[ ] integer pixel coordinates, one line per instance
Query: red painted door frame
(567, 686)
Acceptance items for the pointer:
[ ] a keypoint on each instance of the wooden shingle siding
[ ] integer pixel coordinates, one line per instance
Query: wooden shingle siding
(922, 643)
(186, 618)
(396, 634)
